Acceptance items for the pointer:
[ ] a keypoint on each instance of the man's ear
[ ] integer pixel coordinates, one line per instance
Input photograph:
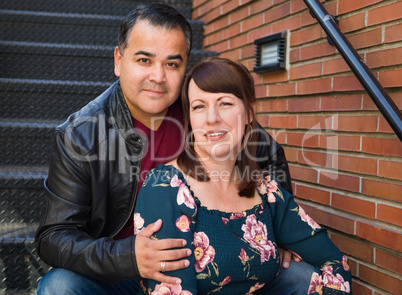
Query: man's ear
(117, 61)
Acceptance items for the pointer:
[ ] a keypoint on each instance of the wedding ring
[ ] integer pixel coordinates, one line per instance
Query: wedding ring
(163, 264)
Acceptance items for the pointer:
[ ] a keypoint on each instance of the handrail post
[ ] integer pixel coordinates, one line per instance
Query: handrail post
(377, 93)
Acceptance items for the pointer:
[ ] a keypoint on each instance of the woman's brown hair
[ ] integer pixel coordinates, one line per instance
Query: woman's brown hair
(221, 75)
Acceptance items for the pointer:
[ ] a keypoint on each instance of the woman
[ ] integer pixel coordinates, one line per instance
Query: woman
(217, 198)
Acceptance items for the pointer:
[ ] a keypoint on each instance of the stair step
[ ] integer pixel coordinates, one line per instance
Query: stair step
(25, 143)
(45, 99)
(74, 28)
(109, 7)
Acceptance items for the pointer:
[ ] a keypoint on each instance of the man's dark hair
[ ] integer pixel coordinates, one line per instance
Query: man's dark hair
(160, 15)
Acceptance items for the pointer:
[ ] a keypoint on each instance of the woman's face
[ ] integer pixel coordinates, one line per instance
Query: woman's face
(218, 122)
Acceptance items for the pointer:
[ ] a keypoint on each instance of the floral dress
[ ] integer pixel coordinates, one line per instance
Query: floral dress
(236, 253)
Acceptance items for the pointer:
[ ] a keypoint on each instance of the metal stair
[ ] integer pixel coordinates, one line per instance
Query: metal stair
(56, 56)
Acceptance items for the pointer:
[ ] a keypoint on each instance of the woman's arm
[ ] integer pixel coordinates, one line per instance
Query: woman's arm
(298, 232)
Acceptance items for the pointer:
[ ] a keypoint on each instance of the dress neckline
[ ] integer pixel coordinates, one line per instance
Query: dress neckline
(229, 215)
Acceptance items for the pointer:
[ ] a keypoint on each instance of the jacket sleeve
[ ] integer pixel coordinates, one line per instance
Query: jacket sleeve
(165, 196)
(271, 158)
(62, 240)
(299, 233)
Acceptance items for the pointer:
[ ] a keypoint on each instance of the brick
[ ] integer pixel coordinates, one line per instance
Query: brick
(231, 31)
(382, 146)
(379, 235)
(233, 54)
(352, 23)
(393, 33)
(329, 219)
(252, 23)
(354, 248)
(294, 55)
(383, 126)
(303, 173)
(287, 122)
(260, 92)
(307, 35)
(388, 261)
(263, 120)
(258, 6)
(275, 77)
(389, 214)
(249, 52)
(313, 194)
(368, 103)
(359, 288)
(362, 165)
(341, 103)
(238, 15)
(314, 86)
(379, 279)
(291, 154)
(282, 89)
(391, 78)
(274, 105)
(279, 135)
(212, 15)
(238, 41)
(277, 13)
(306, 71)
(381, 189)
(307, 19)
(316, 50)
(297, 5)
(304, 105)
(366, 39)
(384, 14)
(340, 181)
(390, 169)
(346, 83)
(346, 6)
(382, 58)
(340, 142)
(314, 122)
(357, 123)
(197, 3)
(214, 38)
(354, 205)
(303, 139)
(229, 6)
(291, 24)
(315, 158)
(333, 66)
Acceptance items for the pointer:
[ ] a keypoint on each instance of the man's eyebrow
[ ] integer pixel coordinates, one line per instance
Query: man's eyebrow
(169, 57)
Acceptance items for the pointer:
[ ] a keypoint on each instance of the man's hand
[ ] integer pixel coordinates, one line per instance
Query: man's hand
(286, 257)
(151, 253)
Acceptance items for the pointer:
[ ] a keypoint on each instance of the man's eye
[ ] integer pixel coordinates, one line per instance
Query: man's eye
(172, 65)
(143, 60)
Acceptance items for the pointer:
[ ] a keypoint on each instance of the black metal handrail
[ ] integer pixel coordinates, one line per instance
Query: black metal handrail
(377, 93)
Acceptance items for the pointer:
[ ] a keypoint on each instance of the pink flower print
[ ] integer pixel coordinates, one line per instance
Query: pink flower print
(183, 223)
(184, 194)
(261, 187)
(255, 233)
(237, 215)
(226, 281)
(225, 220)
(308, 219)
(243, 256)
(254, 288)
(203, 252)
(169, 289)
(138, 223)
(315, 284)
(345, 263)
(269, 187)
(336, 282)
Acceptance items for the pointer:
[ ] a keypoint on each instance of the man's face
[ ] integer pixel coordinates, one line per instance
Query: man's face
(151, 70)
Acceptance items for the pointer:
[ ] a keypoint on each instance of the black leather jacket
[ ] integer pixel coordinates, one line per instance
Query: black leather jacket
(92, 185)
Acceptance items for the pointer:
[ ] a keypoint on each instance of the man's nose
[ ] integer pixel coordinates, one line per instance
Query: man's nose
(157, 74)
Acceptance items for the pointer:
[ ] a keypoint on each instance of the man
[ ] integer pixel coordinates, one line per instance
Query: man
(101, 155)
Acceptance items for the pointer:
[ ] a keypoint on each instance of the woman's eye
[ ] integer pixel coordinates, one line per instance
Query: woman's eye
(226, 103)
(197, 107)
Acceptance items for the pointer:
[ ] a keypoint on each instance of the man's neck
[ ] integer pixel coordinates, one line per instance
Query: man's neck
(152, 122)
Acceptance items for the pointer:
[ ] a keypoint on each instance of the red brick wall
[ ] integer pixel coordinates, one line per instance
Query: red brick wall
(345, 160)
